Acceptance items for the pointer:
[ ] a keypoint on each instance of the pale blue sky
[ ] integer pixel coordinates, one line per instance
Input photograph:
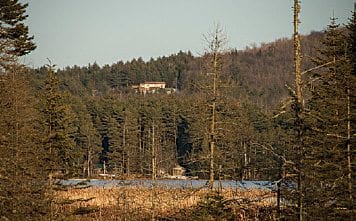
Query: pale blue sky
(70, 32)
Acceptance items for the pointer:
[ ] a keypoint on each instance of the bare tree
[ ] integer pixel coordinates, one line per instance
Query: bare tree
(298, 107)
(216, 40)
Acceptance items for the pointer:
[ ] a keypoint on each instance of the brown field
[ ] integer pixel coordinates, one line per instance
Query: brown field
(128, 203)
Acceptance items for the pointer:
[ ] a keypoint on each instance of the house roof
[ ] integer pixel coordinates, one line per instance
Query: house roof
(154, 82)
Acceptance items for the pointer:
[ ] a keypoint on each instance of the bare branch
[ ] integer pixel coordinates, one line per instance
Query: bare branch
(317, 67)
(336, 135)
(271, 149)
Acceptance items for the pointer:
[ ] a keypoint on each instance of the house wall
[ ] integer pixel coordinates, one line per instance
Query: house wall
(149, 85)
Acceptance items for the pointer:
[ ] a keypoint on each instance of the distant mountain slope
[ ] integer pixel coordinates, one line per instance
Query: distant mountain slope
(266, 69)
(260, 72)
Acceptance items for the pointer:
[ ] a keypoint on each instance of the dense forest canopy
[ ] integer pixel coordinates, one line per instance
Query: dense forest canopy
(258, 72)
(253, 84)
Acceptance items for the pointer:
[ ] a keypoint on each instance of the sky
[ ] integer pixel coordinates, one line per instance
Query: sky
(79, 32)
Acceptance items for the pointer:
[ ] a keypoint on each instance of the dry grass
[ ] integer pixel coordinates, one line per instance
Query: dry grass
(127, 203)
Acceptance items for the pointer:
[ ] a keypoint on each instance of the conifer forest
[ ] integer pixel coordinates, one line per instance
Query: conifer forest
(282, 112)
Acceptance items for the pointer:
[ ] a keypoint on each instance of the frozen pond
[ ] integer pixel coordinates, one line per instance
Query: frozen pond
(168, 183)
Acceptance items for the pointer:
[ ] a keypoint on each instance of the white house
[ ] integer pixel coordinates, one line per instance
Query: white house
(151, 87)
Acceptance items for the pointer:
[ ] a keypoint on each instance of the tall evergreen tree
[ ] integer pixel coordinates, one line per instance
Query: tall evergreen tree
(89, 141)
(351, 103)
(329, 119)
(59, 128)
(115, 153)
(23, 181)
(87, 138)
(14, 36)
(130, 135)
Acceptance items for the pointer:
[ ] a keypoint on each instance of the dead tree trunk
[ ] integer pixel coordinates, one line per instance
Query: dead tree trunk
(154, 173)
(213, 122)
(349, 168)
(215, 42)
(89, 157)
(298, 108)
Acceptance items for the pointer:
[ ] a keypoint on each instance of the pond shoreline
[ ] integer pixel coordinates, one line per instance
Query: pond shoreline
(168, 183)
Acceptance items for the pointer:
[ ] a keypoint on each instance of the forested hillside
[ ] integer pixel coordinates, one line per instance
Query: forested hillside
(259, 73)
(111, 123)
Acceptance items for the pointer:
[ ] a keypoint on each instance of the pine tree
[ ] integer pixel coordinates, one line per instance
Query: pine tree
(115, 149)
(195, 124)
(123, 136)
(130, 135)
(328, 114)
(23, 183)
(22, 180)
(14, 37)
(59, 128)
(169, 118)
(351, 104)
(87, 138)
